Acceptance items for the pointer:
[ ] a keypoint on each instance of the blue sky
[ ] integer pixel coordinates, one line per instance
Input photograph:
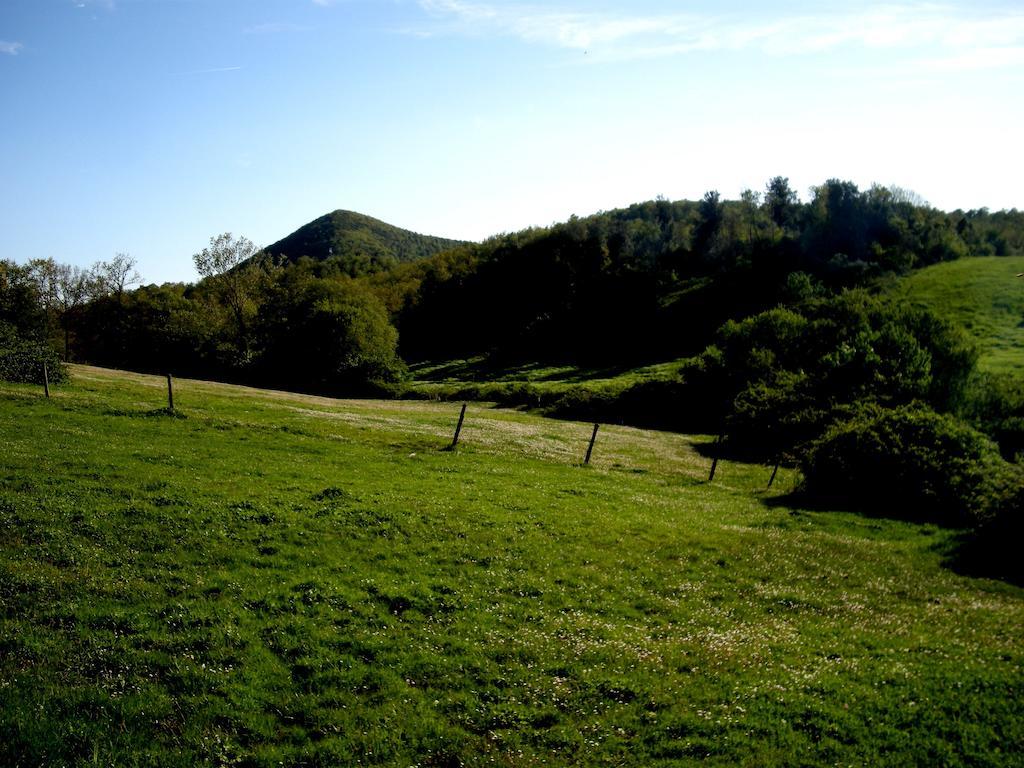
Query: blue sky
(147, 126)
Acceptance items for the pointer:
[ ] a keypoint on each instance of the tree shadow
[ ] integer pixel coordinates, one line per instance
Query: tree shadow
(978, 555)
(971, 552)
(154, 413)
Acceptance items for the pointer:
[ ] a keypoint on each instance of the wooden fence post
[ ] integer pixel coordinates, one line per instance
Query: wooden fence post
(774, 473)
(46, 379)
(458, 428)
(170, 393)
(714, 462)
(590, 448)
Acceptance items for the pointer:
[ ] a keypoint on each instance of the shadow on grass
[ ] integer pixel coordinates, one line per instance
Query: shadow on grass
(985, 556)
(155, 413)
(489, 370)
(969, 552)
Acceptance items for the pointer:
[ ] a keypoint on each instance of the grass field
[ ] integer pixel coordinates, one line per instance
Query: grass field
(271, 579)
(477, 379)
(477, 369)
(985, 297)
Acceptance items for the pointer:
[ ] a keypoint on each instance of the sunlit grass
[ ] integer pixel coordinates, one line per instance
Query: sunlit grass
(540, 375)
(986, 297)
(268, 578)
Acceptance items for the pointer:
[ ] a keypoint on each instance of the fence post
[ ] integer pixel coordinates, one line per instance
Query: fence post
(774, 473)
(590, 448)
(46, 379)
(714, 462)
(170, 393)
(458, 428)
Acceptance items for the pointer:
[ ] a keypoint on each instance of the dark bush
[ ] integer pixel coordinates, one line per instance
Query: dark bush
(331, 337)
(908, 462)
(992, 548)
(585, 404)
(996, 545)
(994, 403)
(22, 360)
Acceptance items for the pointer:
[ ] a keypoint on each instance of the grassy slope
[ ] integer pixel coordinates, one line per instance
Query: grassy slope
(439, 378)
(284, 579)
(985, 296)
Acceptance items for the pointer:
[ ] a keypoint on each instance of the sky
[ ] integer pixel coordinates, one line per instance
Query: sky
(147, 127)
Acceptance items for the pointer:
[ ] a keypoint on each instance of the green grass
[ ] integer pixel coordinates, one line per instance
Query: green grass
(270, 579)
(543, 376)
(985, 297)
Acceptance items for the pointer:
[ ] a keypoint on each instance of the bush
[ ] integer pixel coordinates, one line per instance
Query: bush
(21, 360)
(327, 336)
(994, 403)
(995, 546)
(909, 462)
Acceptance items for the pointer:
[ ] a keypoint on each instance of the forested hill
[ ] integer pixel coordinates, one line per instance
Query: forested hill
(354, 299)
(357, 244)
(655, 280)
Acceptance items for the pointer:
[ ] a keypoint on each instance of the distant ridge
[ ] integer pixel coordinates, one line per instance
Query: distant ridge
(358, 243)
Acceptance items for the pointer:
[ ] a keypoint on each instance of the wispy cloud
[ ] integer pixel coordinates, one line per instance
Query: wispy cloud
(105, 4)
(954, 32)
(11, 49)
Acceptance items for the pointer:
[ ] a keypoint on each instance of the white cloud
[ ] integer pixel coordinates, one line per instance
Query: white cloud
(105, 4)
(952, 31)
(11, 49)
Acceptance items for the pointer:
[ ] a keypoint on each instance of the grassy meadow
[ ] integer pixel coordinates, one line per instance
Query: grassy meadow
(538, 374)
(268, 579)
(985, 297)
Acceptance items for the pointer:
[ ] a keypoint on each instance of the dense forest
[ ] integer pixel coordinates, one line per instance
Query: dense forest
(354, 244)
(654, 281)
(787, 348)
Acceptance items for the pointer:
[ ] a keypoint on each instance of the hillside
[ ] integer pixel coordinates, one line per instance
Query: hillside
(985, 297)
(267, 579)
(359, 244)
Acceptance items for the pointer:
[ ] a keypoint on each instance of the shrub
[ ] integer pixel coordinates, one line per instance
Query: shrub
(994, 403)
(327, 336)
(910, 462)
(996, 544)
(22, 360)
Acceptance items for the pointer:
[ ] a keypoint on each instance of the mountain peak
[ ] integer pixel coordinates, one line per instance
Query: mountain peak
(359, 243)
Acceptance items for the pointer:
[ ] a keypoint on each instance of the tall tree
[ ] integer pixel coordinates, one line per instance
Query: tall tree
(228, 265)
(74, 286)
(712, 214)
(63, 289)
(781, 202)
(20, 304)
(112, 278)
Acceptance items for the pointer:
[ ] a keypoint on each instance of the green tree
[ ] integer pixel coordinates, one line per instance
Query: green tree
(21, 306)
(229, 265)
(63, 290)
(114, 277)
(781, 203)
(331, 336)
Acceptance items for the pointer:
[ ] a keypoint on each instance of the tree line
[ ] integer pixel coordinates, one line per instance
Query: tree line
(790, 352)
(650, 282)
